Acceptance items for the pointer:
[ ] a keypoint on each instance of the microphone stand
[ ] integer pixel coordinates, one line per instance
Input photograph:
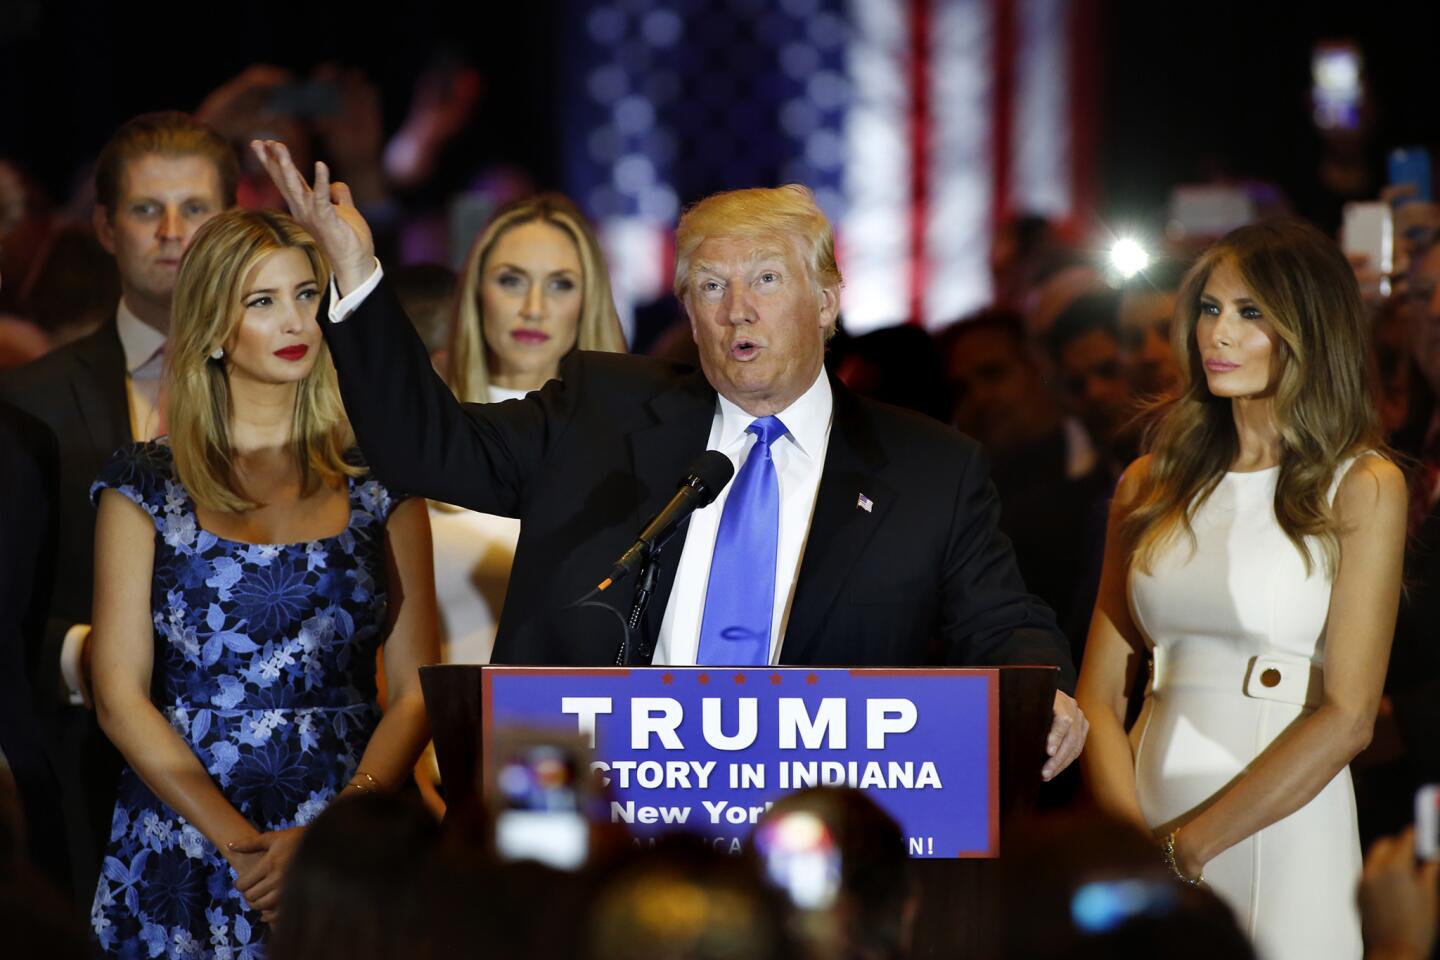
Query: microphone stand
(647, 575)
(645, 579)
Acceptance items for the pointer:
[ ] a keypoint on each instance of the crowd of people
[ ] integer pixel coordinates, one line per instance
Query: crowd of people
(259, 467)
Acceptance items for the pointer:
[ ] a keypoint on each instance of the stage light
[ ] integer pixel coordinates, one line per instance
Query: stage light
(1128, 257)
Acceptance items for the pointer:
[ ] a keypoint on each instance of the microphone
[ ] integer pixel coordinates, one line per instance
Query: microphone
(707, 476)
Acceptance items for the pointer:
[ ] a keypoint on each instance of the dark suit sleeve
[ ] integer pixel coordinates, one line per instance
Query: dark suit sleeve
(76, 393)
(27, 534)
(27, 531)
(32, 458)
(417, 437)
(988, 618)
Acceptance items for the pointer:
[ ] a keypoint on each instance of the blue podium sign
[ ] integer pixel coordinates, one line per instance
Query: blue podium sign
(706, 750)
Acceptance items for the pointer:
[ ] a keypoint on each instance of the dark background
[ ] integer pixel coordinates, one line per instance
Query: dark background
(71, 72)
(1188, 91)
(1222, 87)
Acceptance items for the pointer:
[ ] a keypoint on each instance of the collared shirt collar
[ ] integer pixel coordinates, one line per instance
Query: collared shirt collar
(496, 394)
(138, 339)
(807, 420)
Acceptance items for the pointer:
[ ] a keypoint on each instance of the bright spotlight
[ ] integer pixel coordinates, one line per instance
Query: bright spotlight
(1128, 257)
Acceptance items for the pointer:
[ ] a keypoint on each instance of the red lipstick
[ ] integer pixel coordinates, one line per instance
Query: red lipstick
(292, 353)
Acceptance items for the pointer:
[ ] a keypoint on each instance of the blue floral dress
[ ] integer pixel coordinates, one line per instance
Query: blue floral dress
(265, 664)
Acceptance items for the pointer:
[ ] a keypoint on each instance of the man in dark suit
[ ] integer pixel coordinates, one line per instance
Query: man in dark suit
(158, 179)
(27, 514)
(891, 512)
(1042, 463)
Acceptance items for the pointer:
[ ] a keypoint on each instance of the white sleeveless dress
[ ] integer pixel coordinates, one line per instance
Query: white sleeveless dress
(1238, 633)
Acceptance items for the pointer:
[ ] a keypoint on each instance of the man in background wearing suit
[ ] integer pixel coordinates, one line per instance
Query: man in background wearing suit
(27, 515)
(158, 179)
(853, 533)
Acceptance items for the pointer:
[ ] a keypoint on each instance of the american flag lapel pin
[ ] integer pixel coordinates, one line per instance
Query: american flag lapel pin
(865, 503)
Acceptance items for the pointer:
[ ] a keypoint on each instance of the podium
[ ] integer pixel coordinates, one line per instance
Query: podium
(959, 891)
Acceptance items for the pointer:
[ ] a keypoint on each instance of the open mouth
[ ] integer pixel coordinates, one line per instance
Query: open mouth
(744, 349)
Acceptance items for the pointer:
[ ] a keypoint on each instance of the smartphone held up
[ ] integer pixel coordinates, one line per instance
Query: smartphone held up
(1427, 822)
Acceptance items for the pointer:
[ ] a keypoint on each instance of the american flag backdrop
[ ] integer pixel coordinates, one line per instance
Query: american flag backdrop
(919, 124)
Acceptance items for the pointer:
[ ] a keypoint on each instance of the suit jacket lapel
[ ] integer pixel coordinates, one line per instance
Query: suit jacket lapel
(660, 453)
(840, 527)
(97, 382)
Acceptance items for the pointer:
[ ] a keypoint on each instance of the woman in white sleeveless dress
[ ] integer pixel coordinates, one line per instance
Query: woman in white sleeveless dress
(533, 288)
(1256, 551)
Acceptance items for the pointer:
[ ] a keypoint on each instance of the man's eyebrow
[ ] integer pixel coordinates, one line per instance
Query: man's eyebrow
(759, 255)
(158, 198)
(766, 253)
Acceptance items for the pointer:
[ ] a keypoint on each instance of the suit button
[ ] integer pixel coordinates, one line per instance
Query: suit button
(1270, 678)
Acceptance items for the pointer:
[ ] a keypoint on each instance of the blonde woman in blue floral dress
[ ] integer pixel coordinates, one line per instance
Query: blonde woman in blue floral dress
(247, 573)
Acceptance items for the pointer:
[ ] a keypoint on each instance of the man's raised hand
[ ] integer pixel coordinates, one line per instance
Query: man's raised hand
(327, 212)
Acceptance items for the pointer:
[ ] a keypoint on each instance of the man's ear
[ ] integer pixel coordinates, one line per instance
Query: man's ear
(829, 308)
(104, 229)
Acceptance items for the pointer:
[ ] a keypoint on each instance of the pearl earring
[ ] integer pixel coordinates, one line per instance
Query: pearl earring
(217, 354)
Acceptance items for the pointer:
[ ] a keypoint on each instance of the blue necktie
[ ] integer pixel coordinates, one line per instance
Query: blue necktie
(735, 629)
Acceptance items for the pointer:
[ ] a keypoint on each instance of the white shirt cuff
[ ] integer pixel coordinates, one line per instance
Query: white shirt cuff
(342, 307)
(71, 649)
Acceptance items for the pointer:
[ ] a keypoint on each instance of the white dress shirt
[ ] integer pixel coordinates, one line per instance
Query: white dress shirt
(342, 307)
(143, 347)
(799, 460)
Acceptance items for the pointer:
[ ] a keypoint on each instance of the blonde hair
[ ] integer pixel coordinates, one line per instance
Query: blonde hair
(1323, 398)
(204, 314)
(599, 327)
(787, 212)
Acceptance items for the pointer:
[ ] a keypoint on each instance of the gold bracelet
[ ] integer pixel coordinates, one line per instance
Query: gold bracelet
(372, 782)
(1167, 850)
(358, 786)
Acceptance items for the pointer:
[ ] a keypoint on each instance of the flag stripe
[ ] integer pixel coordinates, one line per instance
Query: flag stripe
(1002, 116)
(959, 215)
(874, 226)
(920, 121)
(1040, 168)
